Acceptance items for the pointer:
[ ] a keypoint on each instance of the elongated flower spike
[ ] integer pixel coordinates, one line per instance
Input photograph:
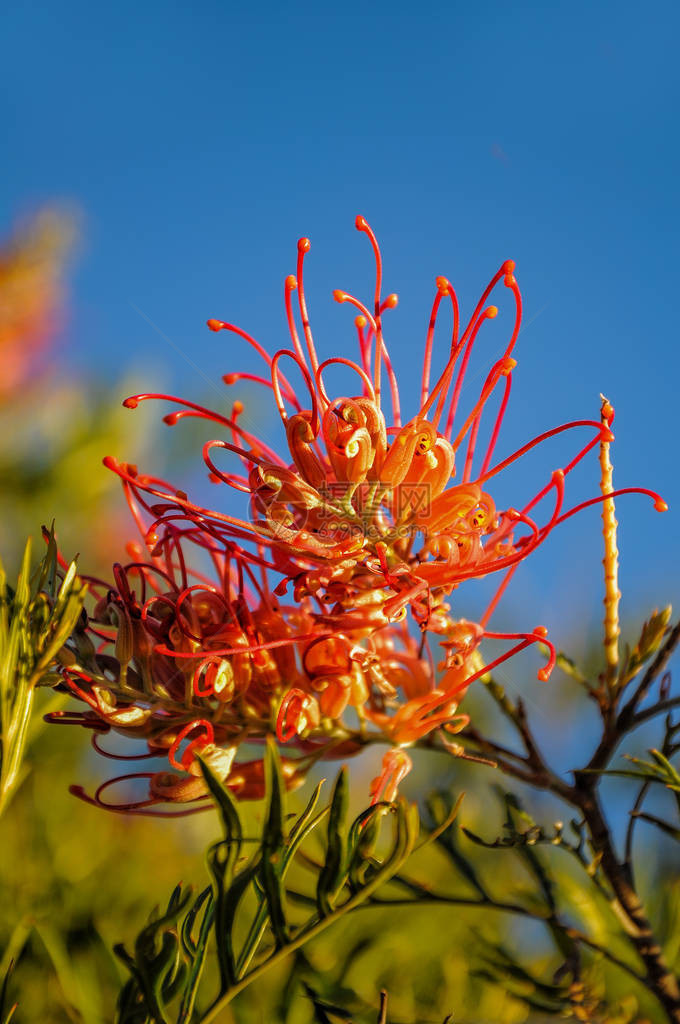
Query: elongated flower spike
(369, 523)
(611, 553)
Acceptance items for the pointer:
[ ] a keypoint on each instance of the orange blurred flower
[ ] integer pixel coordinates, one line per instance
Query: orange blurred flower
(31, 294)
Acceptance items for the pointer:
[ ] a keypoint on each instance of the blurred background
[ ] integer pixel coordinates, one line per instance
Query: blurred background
(160, 162)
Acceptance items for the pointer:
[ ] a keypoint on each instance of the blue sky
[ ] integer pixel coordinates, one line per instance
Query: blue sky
(200, 141)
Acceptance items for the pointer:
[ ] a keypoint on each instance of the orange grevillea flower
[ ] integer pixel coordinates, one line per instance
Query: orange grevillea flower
(369, 522)
(366, 505)
(210, 665)
(191, 664)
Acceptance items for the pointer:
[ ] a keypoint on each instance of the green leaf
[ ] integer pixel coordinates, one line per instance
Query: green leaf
(275, 796)
(157, 965)
(271, 868)
(34, 626)
(169, 953)
(195, 950)
(45, 577)
(331, 874)
(304, 825)
(221, 860)
(651, 636)
(660, 770)
(363, 837)
(130, 1007)
(444, 813)
(225, 803)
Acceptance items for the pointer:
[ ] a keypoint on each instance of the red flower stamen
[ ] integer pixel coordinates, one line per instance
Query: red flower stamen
(198, 743)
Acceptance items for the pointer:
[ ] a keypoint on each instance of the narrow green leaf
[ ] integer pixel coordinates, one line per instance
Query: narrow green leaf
(275, 796)
(304, 825)
(22, 594)
(221, 859)
(196, 949)
(65, 589)
(331, 874)
(226, 805)
(157, 959)
(271, 867)
(130, 1008)
(363, 836)
(46, 574)
(405, 833)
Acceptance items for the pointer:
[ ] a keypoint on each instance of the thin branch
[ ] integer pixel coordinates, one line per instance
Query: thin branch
(457, 901)
(540, 777)
(509, 908)
(607, 954)
(583, 795)
(628, 853)
(660, 980)
(656, 709)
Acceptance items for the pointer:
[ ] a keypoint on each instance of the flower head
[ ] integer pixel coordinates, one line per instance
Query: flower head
(325, 601)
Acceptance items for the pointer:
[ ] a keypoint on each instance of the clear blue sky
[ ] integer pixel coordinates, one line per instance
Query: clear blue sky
(202, 140)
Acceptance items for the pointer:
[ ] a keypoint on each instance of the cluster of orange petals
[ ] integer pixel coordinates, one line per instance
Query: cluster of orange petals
(312, 617)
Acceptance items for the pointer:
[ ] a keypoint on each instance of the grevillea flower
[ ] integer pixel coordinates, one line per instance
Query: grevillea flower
(369, 524)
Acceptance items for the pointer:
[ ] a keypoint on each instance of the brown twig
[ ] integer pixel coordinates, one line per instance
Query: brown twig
(660, 980)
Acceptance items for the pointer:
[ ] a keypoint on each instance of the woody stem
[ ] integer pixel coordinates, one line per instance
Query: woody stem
(532, 769)
(660, 980)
